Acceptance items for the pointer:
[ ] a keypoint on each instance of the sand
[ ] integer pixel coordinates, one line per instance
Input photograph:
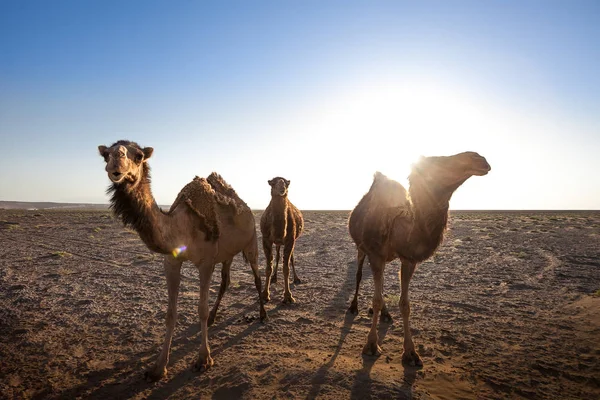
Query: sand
(505, 309)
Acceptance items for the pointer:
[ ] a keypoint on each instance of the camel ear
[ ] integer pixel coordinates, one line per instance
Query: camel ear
(287, 183)
(270, 182)
(148, 152)
(103, 150)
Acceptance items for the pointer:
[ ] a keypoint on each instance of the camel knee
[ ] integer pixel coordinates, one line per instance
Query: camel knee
(377, 302)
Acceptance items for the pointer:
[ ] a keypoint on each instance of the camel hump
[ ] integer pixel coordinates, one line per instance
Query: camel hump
(199, 196)
(225, 195)
(378, 176)
(372, 219)
(386, 192)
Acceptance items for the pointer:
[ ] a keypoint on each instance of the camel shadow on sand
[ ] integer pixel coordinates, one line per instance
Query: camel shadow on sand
(126, 378)
(363, 383)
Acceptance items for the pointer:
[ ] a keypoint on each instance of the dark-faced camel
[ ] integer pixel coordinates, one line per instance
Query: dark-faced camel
(388, 223)
(207, 224)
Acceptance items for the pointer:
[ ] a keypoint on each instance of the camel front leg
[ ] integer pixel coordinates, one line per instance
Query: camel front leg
(225, 268)
(172, 268)
(377, 266)
(268, 249)
(360, 259)
(410, 356)
(274, 277)
(287, 254)
(204, 361)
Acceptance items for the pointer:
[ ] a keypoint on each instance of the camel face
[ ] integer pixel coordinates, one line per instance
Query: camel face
(279, 186)
(473, 163)
(124, 161)
(451, 170)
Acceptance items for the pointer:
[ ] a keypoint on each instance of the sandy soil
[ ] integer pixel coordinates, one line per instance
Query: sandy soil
(504, 310)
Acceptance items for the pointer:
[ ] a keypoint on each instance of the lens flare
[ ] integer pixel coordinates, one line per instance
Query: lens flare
(178, 250)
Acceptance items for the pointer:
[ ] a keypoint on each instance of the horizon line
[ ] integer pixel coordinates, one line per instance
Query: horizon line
(68, 205)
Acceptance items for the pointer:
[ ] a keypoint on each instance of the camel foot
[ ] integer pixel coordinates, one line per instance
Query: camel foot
(410, 357)
(372, 349)
(203, 364)
(155, 374)
(353, 309)
(263, 315)
(266, 296)
(288, 299)
(297, 280)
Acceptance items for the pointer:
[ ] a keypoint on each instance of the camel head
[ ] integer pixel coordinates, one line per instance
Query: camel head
(449, 172)
(125, 161)
(279, 186)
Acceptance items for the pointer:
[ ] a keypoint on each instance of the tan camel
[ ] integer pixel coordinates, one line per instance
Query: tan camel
(207, 224)
(281, 223)
(389, 223)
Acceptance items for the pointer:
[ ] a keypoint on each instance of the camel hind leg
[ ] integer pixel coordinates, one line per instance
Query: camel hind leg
(251, 255)
(268, 250)
(360, 259)
(204, 361)
(172, 268)
(225, 280)
(385, 314)
(274, 276)
(288, 250)
(296, 279)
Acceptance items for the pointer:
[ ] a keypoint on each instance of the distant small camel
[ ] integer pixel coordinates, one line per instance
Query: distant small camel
(281, 223)
(389, 223)
(207, 224)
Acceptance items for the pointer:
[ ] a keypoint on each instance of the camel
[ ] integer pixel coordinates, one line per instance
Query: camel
(207, 224)
(281, 223)
(388, 223)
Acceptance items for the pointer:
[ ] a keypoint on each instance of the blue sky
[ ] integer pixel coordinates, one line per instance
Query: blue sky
(324, 93)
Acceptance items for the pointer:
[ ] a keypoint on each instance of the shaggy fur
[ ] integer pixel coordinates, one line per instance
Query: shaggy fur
(225, 195)
(129, 205)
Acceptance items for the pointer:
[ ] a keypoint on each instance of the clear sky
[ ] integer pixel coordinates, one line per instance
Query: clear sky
(323, 93)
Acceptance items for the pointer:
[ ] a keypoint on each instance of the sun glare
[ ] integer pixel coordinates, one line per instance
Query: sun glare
(387, 128)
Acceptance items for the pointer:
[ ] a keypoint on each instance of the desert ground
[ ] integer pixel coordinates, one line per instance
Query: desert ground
(507, 308)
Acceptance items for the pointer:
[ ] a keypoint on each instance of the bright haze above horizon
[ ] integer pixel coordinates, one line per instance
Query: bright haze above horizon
(321, 93)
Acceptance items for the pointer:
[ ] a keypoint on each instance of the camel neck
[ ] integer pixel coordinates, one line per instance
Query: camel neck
(137, 208)
(279, 206)
(279, 202)
(430, 213)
